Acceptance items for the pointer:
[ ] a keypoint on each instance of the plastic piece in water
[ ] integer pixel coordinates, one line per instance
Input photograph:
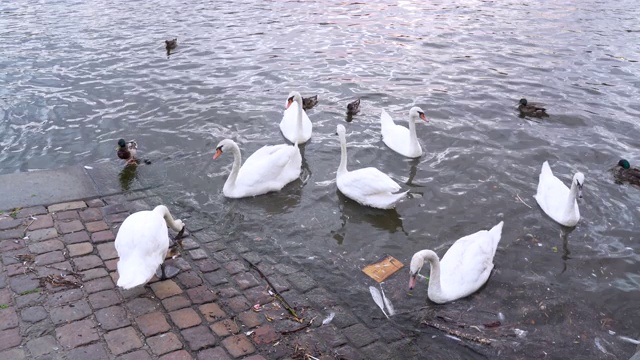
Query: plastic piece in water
(88, 167)
(381, 270)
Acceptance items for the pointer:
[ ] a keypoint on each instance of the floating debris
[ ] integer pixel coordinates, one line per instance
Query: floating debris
(520, 333)
(88, 167)
(377, 298)
(381, 270)
(387, 303)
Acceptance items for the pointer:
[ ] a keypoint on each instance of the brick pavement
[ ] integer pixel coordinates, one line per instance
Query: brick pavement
(58, 298)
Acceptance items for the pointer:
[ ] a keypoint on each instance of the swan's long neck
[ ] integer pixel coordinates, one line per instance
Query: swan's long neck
(413, 137)
(434, 276)
(299, 134)
(237, 162)
(342, 169)
(571, 200)
(175, 226)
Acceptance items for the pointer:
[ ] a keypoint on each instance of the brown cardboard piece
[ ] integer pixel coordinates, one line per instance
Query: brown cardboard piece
(381, 270)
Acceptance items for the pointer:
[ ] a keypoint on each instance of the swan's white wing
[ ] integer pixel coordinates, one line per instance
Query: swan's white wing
(386, 122)
(552, 193)
(369, 181)
(467, 264)
(266, 164)
(142, 242)
(289, 126)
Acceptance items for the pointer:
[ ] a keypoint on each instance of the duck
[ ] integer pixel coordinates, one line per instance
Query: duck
(171, 44)
(367, 186)
(127, 150)
(295, 115)
(310, 102)
(142, 245)
(532, 109)
(268, 169)
(464, 268)
(353, 107)
(400, 139)
(556, 199)
(624, 172)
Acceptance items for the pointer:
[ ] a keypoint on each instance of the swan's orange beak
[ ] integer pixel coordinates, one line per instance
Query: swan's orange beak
(218, 153)
(289, 102)
(412, 281)
(423, 117)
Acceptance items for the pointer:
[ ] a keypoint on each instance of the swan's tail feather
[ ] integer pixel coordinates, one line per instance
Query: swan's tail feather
(496, 235)
(133, 274)
(176, 225)
(546, 169)
(385, 120)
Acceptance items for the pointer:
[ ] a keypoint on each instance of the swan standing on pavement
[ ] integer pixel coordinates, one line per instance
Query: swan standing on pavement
(142, 244)
(295, 125)
(464, 268)
(400, 139)
(368, 186)
(556, 199)
(268, 169)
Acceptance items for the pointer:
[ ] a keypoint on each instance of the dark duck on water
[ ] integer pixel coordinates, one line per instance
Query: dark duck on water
(127, 151)
(310, 102)
(171, 45)
(532, 109)
(624, 172)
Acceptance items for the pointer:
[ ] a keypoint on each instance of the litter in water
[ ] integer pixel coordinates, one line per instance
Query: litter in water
(381, 270)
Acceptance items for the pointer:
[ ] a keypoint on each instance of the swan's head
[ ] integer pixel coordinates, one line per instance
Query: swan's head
(416, 113)
(223, 145)
(294, 96)
(624, 163)
(578, 179)
(417, 261)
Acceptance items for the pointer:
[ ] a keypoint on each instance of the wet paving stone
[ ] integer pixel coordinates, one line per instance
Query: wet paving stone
(185, 318)
(189, 279)
(201, 295)
(8, 318)
(104, 299)
(165, 289)
(102, 236)
(164, 343)
(141, 306)
(225, 328)
(198, 337)
(71, 312)
(177, 355)
(122, 340)
(99, 284)
(112, 318)
(136, 355)
(89, 352)
(77, 333)
(211, 312)
(33, 314)
(66, 227)
(238, 345)
(176, 302)
(245, 280)
(42, 345)
(153, 323)
(90, 215)
(217, 353)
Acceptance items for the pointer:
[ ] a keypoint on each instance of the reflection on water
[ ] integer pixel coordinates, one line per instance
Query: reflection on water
(72, 84)
(127, 175)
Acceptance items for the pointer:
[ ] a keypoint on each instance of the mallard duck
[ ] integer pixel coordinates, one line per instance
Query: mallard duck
(624, 172)
(464, 268)
(400, 139)
(143, 243)
(556, 199)
(353, 107)
(171, 44)
(127, 151)
(310, 102)
(532, 109)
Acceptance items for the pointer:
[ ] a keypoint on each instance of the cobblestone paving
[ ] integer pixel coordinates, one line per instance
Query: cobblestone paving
(58, 298)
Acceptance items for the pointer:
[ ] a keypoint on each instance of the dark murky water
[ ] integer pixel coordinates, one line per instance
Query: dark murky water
(77, 76)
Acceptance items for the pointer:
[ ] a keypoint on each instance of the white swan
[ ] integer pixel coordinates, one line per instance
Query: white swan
(464, 268)
(400, 139)
(368, 186)
(142, 244)
(556, 199)
(270, 168)
(295, 116)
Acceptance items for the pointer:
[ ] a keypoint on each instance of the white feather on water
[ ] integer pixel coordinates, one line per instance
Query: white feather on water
(628, 339)
(377, 297)
(328, 318)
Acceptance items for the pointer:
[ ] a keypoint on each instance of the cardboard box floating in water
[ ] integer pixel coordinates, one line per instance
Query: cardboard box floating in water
(381, 270)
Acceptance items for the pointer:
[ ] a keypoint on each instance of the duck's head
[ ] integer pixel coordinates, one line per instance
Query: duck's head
(294, 96)
(417, 261)
(122, 143)
(223, 145)
(578, 179)
(523, 102)
(416, 112)
(624, 163)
